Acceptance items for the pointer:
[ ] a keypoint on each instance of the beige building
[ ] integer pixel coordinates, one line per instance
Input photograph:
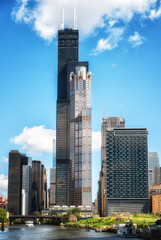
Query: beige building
(156, 203)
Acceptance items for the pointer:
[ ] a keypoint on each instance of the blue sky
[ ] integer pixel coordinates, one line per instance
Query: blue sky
(120, 39)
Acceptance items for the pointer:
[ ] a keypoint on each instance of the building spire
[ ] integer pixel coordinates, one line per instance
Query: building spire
(62, 16)
(74, 16)
(121, 111)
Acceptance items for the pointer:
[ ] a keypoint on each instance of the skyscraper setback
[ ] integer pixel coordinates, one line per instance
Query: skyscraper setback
(67, 62)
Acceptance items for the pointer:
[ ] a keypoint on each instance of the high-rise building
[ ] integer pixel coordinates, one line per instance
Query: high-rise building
(36, 186)
(127, 170)
(52, 187)
(80, 137)
(19, 183)
(155, 167)
(107, 123)
(26, 185)
(67, 61)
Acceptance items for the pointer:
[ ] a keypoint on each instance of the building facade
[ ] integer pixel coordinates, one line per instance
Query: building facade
(127, 170)
(19, 183)
(155, 167)
(107, 123)
(52, 187)
(36, 186)
(26, 185)
(80, 137)
(67, 61)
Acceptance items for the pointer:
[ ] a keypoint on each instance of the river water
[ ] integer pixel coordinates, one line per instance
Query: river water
(50, 232)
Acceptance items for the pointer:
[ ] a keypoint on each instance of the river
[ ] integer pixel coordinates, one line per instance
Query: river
(50, 232)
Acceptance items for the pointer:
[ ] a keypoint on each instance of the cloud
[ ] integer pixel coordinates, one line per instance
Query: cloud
(4, 183)
(39, 139)
(35, 140)
(155, 13)
(111, 42)
(96, 141)
(4, 159)
(44, 15)
(136, 40)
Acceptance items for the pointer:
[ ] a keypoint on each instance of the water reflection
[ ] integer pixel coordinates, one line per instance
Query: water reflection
(46, 232)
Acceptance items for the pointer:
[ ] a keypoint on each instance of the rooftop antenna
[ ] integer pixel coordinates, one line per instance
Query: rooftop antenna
(62, 17)
(121, 111)
(74, 16)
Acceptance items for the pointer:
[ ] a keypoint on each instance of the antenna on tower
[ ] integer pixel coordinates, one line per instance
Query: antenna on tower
(62, 17)
(121, 111)
(74, 16)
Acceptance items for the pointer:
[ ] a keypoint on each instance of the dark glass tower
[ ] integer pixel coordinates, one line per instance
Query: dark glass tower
(67, 61)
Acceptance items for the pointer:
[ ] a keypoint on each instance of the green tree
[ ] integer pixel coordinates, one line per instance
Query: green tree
(37, 213)
(74, 211)
(3, 218)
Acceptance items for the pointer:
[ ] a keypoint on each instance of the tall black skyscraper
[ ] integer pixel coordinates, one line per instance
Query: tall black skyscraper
(67, 61)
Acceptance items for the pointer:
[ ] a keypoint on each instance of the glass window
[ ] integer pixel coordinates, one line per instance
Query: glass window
(80, 166)
(80, 125)
(76, 167)
(76, 126)
(80, 174)
(76, 175)
(76, 158)
(80, 141)
(80, 133)
(76, 134)
(84, 84)
(80, 157)
(80, 183)
(76, 183)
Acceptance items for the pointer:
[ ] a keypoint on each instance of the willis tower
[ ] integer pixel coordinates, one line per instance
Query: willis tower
(68, 42)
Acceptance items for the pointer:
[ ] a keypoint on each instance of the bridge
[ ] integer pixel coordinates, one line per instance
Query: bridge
(36, 217)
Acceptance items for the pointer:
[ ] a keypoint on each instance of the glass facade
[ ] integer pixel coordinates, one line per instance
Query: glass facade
(19, 183)
(127, 169)
(67, 61)
(80, 137)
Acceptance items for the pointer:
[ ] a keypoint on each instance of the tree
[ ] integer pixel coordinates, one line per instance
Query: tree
(3, 218)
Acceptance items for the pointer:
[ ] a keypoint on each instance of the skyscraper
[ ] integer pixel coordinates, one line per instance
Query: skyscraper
(127, 170)
(80, 137)
(19, 183)
(107, 123)
(154, 167)
(67, 61)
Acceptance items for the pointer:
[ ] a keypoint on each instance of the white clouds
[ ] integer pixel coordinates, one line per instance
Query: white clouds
(4, 159)
(36, 140)
(136, 40)
(154, 13)
(39, 139)
(4, 183)
(111, 42)
(96, 141)
(44, 15)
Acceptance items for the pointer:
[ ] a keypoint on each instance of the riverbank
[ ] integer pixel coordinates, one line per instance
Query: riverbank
(109, 224)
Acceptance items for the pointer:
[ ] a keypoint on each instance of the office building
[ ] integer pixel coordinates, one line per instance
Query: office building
(80, 137)
(52, 187)
(155, 167)
(127, 170)
(26, 185)
(107, 124)
(36, 186)
(19, 183)
(67, 61)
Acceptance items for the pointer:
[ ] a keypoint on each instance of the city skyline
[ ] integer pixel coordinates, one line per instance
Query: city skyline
(29, 76)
